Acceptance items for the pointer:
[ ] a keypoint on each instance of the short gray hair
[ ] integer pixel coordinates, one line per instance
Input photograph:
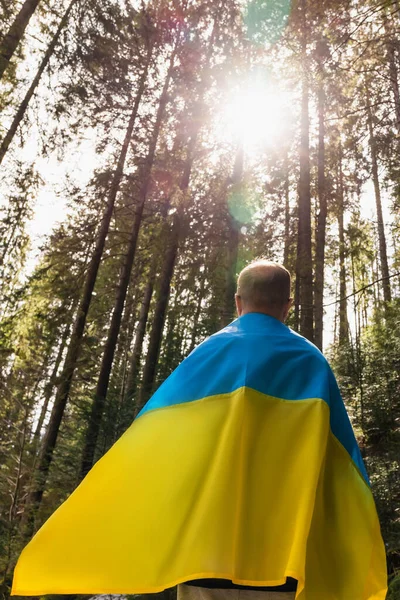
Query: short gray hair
(264, 284)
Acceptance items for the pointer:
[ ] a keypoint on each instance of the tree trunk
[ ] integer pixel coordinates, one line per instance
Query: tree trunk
(359, 358)
(168, 270)
(48, 390)
(228, 311)
(15, 33)
(321, 223)
(198, 310)
(113, 426)
(24, 104)
(343, 322)
(15, 499)
(286, 249)
(387, 296)
(131, 386)
(128, 411)
(393, 71)
(159, 313)
(304, 275)
(79, 324)
(109, 350)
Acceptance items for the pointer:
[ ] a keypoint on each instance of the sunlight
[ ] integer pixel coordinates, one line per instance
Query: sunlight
(255, 115)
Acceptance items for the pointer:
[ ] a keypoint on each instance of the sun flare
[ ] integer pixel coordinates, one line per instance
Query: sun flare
(255, 115)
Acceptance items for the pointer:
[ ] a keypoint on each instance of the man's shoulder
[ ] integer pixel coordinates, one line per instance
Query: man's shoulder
(284, 337)
(282, 350)
(306, 345)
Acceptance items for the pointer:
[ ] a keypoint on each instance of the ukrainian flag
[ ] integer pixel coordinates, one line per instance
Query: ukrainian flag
(242, 466)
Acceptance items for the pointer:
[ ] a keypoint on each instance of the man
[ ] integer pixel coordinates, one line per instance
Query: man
(241, 470)
(263, 287)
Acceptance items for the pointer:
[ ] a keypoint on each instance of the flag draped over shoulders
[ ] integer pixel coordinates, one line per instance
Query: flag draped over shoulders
(242, 466)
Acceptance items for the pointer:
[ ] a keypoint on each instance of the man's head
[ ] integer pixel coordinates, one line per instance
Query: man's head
(264, 287)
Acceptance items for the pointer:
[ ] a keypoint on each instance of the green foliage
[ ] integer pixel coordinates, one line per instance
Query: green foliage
(371, 382)
(394, 588)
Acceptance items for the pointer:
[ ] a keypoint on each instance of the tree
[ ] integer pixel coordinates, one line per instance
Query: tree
(9, 136)
(12, 38)
(381, 229)
(79, 325)
(102, 384)
(322, 52)
(304, 275)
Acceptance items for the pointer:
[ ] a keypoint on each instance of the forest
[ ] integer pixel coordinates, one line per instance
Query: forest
(149, 150)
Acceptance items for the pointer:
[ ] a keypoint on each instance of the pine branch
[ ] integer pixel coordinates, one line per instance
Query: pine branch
(362, 289)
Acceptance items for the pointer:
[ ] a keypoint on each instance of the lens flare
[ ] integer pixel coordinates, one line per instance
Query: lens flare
(255, 114)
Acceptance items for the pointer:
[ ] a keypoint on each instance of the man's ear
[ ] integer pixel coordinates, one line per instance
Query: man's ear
(287, 308)
(239, 307)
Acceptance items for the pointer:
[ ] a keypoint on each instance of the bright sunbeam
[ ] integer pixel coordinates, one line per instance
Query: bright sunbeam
(256, 115)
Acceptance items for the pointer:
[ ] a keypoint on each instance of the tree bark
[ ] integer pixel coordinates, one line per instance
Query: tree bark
(66, 376)
(159, 313)
(198, 311)
(393, 70)
(24, 104)
(109, 350)
(286, 249)
(128, 411)
(131, 386)
(48, 390)
(228, 310)
(13, 36)
(343, 321)
(358, 360)
(387, 296)
(304, 275)
(321, 222)
(168, 270)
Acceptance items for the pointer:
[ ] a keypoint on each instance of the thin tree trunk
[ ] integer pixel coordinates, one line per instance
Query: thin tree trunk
(304, 274)
(228, 310)
(127, 404)
(343, 322)
(48, 390)
(172, 348)
(387, 296)
(335, 336)
(167, 272)
(121, 369)
(92, 431)
(24, 104)
(286, 248)
(79, 324)
(131, 386)
(15, 495)
(15, 33)
(125, 339)
(159, 313)
(321, 223)
(393, 71)
(198, 311)
(359, 358)
(296, 323)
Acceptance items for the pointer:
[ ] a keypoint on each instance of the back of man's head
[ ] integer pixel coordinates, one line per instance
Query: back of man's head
(264, 286)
